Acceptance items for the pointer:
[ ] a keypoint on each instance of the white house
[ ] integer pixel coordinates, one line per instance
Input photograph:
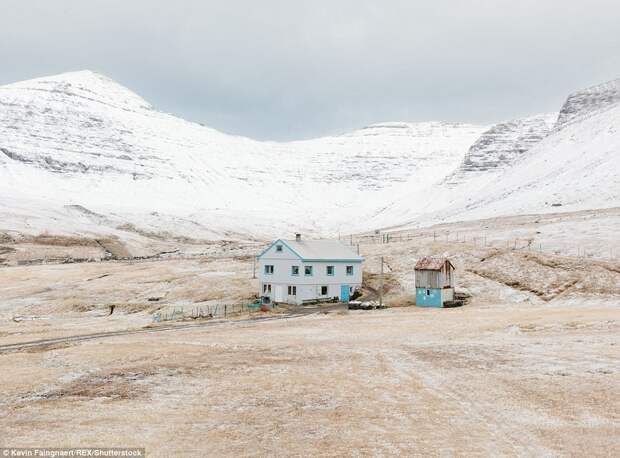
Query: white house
(294, 271)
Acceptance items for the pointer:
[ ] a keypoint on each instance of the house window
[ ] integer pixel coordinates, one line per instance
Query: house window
(308, 270)
(292, 290)
(266, 288)
(268, 269)
(294, 270)
(330, 270)
(323, 290)
(349, 270)
(279, 248)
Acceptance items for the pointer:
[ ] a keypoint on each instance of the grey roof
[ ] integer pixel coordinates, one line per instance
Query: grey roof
(323, 250)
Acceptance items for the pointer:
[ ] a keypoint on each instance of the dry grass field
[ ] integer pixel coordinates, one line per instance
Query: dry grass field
(528, 367)
(503, 380)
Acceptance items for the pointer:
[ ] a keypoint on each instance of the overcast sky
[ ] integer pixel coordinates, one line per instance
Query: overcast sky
(296, 69)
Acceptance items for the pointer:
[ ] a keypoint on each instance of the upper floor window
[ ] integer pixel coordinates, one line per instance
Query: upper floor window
(268, 269)
(330, 270)
(349, 270)
(308, 270)
(279, 248)
(294, 270)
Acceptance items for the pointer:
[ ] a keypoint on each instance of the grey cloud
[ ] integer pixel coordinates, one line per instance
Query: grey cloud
(284, 70)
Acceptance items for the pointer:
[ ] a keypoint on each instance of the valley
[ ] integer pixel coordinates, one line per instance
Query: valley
(114, 215)
(527, 367)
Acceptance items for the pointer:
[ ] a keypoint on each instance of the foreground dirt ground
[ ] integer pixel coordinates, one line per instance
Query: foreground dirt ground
(529, 367)
(481, 380)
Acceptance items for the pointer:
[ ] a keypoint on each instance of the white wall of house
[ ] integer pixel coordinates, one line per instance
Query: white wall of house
(307, 287)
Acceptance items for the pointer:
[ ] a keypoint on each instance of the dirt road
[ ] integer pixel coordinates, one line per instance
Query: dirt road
(173, 326)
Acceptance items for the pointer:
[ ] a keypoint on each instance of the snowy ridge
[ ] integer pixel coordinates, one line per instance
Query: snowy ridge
(80, 153)
(588, 102)
(82, 139)
(502, 145)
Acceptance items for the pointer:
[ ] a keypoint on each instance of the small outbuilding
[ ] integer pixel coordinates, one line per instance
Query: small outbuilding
(435, 279)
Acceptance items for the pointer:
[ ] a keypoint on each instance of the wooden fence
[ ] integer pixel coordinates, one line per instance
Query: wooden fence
(203, 311)
(513, 244)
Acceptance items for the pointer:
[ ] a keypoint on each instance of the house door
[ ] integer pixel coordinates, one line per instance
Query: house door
(279, 294)
(344, 293)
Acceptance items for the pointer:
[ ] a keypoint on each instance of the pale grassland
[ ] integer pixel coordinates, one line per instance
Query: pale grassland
(529, 367)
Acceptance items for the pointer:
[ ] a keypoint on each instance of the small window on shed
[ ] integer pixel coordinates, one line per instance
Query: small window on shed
(323, 290)
(428, 292)
(279, 248)
(349, 270)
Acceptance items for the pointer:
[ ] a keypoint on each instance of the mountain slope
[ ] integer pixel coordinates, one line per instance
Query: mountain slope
(80, 140)
(575, 167)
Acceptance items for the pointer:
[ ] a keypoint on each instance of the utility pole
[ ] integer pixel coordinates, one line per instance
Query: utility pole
(381, 285)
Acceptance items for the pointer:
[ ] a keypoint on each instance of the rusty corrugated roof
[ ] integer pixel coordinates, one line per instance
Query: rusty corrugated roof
(428, 263)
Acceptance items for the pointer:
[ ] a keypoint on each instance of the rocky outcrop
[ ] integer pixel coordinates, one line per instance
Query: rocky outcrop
(589, 102)
(503, 144)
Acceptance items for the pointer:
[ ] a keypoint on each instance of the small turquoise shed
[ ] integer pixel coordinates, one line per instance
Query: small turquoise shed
(435, 279)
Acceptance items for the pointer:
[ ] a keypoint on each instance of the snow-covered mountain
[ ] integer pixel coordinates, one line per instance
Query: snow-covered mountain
(81, 141)
(573, 165)
(80, 153)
